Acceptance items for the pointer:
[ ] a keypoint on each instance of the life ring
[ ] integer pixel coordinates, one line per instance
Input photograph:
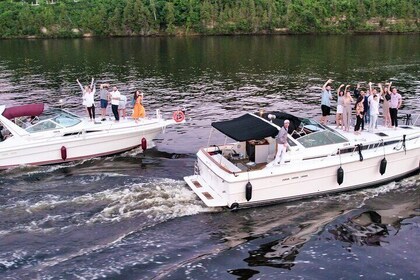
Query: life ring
(178, 116)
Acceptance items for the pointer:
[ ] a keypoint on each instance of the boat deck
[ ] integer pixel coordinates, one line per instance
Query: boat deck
(376, 135)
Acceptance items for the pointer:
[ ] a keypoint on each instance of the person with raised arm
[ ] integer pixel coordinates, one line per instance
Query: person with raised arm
(326, 101)
(339, 113)
(347, 101)
(385, 97)
(373, 107)
(89, 98)
(359, 112)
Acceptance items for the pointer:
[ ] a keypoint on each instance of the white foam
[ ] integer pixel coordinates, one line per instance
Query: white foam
(158, 200)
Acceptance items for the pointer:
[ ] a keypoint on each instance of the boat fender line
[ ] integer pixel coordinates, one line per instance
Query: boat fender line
(233, 206)
(359, 148)
(403, 144)
(63, 151)
(248, 191)
(178, 116)
(382, 166)
(340, 171)
(143, 143)
(340, 175)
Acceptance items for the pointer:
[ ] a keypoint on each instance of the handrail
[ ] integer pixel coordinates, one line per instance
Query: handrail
(378, 143)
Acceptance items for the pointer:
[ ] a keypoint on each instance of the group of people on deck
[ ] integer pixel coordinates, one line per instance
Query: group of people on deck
(115, 98)
(366, 104)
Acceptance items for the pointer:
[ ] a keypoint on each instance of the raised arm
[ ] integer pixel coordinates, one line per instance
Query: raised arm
(370, 87)
(80, 85)
(347, 88)
(381, 90)
(326, 83)
(93, 86)
(389, 87)
(339, 88)
(356, 91)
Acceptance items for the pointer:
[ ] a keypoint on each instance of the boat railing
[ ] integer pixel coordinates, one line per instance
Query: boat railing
(399, 142)
(411, 119)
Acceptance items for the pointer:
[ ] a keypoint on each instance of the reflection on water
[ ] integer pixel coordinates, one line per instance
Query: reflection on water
(130, 216)
(363, 229)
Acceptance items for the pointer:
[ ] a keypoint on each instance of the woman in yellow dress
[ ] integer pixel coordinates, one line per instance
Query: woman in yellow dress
(138, 111)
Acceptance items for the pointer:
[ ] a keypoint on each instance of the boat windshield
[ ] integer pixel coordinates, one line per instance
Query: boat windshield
(57, 119)
(318, 135)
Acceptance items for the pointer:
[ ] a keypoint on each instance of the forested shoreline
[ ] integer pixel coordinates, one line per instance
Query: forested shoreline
(82, 18)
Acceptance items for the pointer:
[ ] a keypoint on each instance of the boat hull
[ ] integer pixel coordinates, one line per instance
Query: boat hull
(292, 181)
(43, 151)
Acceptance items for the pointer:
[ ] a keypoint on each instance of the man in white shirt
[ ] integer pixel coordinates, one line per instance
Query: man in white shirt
(115, 101)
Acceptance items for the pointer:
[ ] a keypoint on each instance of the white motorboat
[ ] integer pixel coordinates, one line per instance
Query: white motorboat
(320, 159)
(61, 136)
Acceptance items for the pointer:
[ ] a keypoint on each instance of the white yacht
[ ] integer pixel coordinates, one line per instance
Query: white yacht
(320, 159)
(60, 136)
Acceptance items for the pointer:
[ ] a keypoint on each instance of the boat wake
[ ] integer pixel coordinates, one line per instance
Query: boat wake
(154, 201)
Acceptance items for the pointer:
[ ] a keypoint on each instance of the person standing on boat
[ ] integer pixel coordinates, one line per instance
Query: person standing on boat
(115, 101)
(394, 104)
(347, 100)
(89, 98)
(386, 97)
(339, 114)
(374, 111)
(122, 106)
(359, 113)
(138, 110)
(282, 144)
(325, 101)
(104, 95)
(366, 114)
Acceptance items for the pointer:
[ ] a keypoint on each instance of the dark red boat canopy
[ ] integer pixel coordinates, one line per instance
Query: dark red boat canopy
(23, 111)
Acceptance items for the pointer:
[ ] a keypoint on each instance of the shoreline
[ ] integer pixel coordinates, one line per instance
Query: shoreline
(180, 35)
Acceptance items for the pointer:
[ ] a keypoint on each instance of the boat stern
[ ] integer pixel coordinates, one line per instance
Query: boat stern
(205, 192)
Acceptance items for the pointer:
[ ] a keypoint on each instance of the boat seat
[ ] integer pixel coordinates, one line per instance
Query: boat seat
(226, 163)
(298, 133)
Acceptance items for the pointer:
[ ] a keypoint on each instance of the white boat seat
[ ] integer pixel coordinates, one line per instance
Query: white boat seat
(298, 133)
(226, 163)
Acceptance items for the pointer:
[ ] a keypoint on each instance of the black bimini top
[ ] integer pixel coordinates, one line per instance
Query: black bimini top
(247, 127)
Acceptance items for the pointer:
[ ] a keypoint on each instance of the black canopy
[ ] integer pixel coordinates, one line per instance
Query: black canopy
(281, 117)
(246, 127)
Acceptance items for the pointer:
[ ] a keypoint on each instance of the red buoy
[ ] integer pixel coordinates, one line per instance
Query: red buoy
(143, 143)
(63, 153)
(178, 116)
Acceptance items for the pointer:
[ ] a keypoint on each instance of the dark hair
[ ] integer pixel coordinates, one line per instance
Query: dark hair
(359, 99)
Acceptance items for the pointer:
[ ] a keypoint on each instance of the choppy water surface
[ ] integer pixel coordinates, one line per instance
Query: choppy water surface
(131, 216)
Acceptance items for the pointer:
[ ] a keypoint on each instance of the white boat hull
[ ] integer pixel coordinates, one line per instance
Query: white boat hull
(110, 138)
(300, 178)
(269, 188)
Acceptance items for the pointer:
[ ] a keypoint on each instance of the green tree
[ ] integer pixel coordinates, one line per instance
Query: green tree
(170, 17)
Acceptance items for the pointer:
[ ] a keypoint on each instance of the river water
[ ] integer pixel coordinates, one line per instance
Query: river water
(131, 216)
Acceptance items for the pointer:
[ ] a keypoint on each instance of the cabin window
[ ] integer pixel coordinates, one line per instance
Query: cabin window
(320, 138)
(43, 126)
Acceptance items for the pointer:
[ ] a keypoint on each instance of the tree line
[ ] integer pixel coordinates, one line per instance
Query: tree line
(76, 18)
